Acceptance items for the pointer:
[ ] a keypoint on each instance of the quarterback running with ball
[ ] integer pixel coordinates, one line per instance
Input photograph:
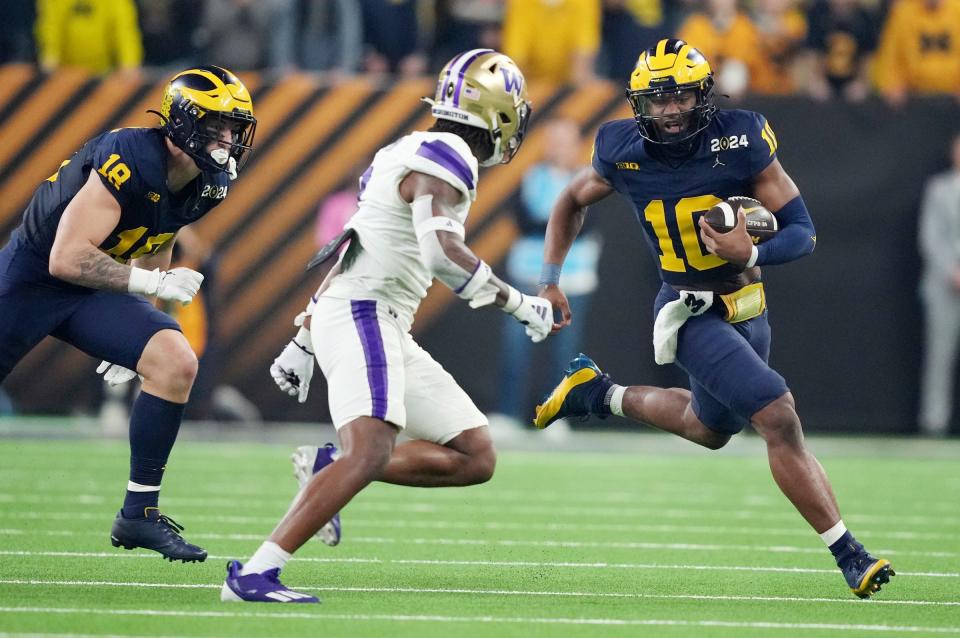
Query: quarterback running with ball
(409, 229)
(676, 159)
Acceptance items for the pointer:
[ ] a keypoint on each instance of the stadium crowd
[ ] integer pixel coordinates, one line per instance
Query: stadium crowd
(822, 48)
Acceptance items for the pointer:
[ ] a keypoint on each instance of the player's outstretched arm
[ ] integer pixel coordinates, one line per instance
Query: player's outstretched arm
(566, 220)
(444, 251)
(75, 257)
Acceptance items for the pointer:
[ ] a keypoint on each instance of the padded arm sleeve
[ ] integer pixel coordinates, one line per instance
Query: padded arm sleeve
(473, 285)
(797, 236)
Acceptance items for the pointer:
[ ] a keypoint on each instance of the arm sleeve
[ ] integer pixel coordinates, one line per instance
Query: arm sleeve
(797, 236)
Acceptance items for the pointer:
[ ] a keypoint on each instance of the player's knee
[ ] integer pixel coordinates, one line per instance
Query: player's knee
(714, 440)
(169, 361)
(778, 422)
(482, 464)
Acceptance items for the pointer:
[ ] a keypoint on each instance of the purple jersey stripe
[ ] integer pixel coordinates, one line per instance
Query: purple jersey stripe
(463, 70)
(365, 318)
(441, 153)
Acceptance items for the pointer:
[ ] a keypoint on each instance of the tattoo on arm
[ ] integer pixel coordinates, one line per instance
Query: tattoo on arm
(98, 270)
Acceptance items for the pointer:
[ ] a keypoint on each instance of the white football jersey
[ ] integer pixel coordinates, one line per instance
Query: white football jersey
(389, 267)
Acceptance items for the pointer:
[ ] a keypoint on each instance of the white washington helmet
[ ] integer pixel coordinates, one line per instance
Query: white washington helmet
(485, 89)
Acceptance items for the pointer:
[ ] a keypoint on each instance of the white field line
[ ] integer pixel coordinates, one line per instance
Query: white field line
(629, 622)
(490, 563)
(497, 496)
(800, 530)
(494, 592)
(575, 513)
(567, 544)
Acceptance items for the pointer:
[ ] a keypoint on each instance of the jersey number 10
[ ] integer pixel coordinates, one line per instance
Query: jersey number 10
(684, 211)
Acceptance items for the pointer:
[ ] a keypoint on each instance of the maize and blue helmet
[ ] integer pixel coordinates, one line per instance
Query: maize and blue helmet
(197, 104)
(671, 67)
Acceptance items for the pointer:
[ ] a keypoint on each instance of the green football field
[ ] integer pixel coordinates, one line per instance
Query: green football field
(645, 543)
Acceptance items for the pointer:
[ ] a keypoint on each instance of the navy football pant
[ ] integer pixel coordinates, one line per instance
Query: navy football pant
(106, 325)
(730, 379)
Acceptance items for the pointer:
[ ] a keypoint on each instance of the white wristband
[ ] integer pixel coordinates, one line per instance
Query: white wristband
(303, 338)
(144, 282)
(514, 299)
(754, 254)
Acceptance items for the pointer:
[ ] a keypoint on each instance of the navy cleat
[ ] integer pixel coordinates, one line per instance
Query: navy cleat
(864, 573)
(580, 393)
(307, 461)
(157, 532)
(259, 588)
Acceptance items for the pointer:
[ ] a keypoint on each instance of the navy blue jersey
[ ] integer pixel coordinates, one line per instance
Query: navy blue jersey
(132, 164)
(669, 201)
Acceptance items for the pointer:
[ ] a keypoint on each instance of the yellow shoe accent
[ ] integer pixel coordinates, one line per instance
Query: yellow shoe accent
(867, 587)
(547, 412)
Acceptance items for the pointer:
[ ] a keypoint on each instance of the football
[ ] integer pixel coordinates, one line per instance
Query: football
(761, 223)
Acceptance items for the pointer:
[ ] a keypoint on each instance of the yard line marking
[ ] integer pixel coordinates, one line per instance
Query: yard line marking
(490, 592)
(622, 511)
(488, 619)
(381, 540)
(490, 563)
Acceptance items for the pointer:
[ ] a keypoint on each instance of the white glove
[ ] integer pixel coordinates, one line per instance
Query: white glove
(115, 374)
(293, 369)
(536, 313)
(176, 284)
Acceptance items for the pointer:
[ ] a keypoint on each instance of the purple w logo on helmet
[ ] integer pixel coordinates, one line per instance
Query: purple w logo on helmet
(512, 82)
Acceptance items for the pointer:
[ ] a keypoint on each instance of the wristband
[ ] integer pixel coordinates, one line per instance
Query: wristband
(754, 255)
(514, 299)
(550, 274)
(303, 340)
(144, 282)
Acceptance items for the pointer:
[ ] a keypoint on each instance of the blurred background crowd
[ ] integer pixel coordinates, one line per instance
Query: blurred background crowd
(821, 48)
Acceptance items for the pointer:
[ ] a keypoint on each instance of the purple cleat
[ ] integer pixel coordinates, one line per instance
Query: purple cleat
(259, 588)
(307, 461)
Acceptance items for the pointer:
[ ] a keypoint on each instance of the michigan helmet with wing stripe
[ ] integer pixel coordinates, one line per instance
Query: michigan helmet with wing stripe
(671, 67)
(199, 103)
(485, 89)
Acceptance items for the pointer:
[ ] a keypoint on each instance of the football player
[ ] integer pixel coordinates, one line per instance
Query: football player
(94, 248)
(676, 158)
(409, 229)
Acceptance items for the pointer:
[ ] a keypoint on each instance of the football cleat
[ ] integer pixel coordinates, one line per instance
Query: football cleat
(259, 588)
(157, 532)
(865, 574)
(580, 393)
(307, 461)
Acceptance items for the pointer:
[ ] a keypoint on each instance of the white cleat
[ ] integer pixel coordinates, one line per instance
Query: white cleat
(307, 461)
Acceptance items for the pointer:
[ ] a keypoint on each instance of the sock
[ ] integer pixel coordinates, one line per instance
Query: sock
(845, 547)
(834, 534)
(614, 399)
(154, 423)
(268, 556)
